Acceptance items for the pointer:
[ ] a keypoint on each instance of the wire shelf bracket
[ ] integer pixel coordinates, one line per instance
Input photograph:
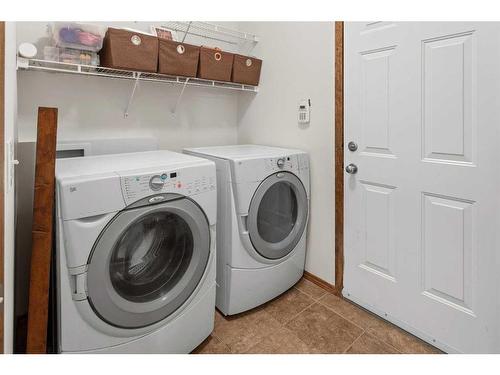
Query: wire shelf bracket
(180, 96)
(131, 97)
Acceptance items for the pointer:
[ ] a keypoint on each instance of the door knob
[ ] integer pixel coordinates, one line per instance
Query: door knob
(351, 168)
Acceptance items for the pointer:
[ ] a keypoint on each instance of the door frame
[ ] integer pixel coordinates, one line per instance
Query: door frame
(339, 157)
(2, 171)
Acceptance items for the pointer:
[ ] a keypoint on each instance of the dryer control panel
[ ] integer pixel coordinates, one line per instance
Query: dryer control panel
(283, 163)
(184, 182)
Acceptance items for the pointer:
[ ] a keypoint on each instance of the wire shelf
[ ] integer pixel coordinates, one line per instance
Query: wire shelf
(78, 69)
(211, 31)
(135, 76)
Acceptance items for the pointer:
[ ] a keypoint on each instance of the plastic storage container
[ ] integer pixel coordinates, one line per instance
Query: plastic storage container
(82, 36)
(178, 59)
(71, 56)
(51, 53)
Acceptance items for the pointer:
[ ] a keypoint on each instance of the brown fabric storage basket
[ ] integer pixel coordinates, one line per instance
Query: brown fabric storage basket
(124, 49)
(246, 70)
(215, 64)
(178, 59)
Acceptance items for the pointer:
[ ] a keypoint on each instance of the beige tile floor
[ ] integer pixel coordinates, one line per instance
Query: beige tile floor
(308, 319)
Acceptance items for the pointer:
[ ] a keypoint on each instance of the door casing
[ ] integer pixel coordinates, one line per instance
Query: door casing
(2, 171)
(339, 157)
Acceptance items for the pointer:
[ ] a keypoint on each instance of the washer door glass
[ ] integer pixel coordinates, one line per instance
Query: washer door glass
(151, 256)
(278, 214)
(147, 262)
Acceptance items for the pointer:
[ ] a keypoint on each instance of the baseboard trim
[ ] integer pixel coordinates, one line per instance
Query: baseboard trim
(321, 283)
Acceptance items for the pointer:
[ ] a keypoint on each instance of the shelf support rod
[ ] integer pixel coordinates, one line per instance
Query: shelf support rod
(131, 98)
(180, 96)
(187, 31)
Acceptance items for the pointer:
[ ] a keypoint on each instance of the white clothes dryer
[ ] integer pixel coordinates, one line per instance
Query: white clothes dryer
(263, 209)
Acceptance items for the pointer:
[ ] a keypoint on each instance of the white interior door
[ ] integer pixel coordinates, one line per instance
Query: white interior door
(422, 212)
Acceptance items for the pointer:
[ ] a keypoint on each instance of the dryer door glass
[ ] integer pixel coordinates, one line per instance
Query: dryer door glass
(277, 212)
(278, 215)
(148, 262)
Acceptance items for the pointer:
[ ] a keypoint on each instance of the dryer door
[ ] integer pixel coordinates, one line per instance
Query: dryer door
(278, 215)
(147, 262)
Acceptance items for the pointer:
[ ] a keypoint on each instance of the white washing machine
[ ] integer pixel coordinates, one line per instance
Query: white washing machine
(263, 209)
(135, 252)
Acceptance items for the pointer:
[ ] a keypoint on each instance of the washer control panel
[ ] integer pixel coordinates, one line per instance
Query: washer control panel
(187, 182)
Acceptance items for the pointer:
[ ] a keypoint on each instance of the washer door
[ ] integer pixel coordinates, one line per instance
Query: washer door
(278, 214)
(147, 262)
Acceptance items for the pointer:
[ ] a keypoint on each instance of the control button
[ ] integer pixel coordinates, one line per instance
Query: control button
(156, 183)
(164, 176)
(179, 185)
(281, 162)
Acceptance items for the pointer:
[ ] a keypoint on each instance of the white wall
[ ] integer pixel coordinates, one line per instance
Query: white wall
(298, 63)
(92, 107)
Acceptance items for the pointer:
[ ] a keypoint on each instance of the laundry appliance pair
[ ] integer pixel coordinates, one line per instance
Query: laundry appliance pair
(136, 240)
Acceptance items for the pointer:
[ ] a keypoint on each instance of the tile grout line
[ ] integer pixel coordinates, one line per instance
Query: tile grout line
(365, 330)
(352, 343)
(343, 317)
(378, 318)
(357, 325)
(283, 325)
(301, 311)
(310, 295)
(220, 339)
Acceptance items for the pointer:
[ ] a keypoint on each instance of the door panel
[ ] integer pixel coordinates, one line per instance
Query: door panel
(447, 250)
(378, 204)
(448, 98)
(376, 101)
(421, 213)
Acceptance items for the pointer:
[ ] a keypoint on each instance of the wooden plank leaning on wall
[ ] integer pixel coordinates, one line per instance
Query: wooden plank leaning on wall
(339, 157)
(43, 211)
(2, 171)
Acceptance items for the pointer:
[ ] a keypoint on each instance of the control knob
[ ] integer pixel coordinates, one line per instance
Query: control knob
(281, 162)
(156, 183)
